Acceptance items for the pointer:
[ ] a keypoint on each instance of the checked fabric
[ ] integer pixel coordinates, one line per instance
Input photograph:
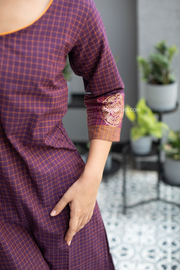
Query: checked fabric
(38, 161)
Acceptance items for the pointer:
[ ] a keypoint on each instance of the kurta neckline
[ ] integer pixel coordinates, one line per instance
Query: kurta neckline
(30, 24)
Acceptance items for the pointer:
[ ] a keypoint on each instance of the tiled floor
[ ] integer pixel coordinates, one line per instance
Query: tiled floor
(148, 236)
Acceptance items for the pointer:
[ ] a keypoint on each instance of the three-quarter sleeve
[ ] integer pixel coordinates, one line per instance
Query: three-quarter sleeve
(92, 59)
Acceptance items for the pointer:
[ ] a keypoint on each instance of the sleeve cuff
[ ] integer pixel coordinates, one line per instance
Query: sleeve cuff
(105, 133)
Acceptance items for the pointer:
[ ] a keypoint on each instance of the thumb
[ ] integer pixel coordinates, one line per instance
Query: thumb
(60, 205)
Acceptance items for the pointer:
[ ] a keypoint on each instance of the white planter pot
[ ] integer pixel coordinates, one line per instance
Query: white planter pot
(162, 97)
(142, 146)
(172, 171)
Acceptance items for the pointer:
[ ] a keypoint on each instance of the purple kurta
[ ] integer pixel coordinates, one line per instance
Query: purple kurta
(38, 162)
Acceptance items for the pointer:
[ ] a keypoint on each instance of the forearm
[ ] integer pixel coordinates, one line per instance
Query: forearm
(98, 153)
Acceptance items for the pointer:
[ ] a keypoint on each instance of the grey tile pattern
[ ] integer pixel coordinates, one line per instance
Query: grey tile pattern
(148, 236)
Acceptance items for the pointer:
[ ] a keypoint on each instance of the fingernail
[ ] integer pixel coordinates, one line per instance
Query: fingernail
(69, 243)
(53, 213)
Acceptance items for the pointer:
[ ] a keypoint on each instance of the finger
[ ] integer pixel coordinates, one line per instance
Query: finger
(60, 205)
(86, 219)
(83, 222)
(81, 227)
(73, 228)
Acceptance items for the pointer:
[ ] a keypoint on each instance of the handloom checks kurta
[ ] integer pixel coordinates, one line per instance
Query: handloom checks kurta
(38, 162)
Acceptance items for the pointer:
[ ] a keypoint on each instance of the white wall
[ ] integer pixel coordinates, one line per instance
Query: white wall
(158, 20)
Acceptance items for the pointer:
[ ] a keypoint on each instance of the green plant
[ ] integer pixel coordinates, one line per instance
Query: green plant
(144, 122)
(157, 68)
(67, 71)
(172, 146)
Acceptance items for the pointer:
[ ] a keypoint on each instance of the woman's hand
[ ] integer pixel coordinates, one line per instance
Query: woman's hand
(81, 197)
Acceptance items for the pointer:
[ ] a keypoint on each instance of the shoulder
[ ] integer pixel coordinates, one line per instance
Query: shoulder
(80, 6)
(79, 11)
(77, 17)
(74, 3)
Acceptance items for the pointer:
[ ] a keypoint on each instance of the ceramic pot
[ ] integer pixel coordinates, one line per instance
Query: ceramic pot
(142, 146)
(172, 171)
(162, 97)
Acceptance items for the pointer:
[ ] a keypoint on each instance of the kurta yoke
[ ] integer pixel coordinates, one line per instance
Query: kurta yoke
(38, 161)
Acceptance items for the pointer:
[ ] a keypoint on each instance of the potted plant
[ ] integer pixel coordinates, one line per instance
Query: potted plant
(172, 158)
(67, 72)
(161, 85)
(145, 127)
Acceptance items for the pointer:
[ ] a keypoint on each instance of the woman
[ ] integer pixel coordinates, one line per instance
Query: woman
(49, 215)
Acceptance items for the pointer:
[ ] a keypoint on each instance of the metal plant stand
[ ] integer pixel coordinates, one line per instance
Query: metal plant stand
(127, 153)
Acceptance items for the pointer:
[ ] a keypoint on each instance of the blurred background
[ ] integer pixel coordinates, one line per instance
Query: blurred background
(133, 28)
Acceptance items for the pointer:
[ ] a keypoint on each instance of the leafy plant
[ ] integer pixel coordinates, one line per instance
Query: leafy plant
(144, 122)
(172, 146)
(67, 71)
(157, 68)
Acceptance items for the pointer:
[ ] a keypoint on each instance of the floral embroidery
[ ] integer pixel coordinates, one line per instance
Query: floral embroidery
(113, 109)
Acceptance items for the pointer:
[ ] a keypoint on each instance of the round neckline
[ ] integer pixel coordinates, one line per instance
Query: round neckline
(26, 26)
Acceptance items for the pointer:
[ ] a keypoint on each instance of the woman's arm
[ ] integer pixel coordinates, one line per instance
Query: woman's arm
(92, 59)
(81, 196)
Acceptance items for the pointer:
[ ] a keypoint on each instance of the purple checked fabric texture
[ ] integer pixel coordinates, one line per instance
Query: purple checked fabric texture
(38, 161)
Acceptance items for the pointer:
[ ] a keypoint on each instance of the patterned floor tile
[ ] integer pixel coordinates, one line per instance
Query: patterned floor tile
(148, 236)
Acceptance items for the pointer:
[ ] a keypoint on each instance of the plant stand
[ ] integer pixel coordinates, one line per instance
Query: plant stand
(127, 153)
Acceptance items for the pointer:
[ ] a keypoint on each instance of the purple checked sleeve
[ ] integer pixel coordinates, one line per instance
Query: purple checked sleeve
(92, 59)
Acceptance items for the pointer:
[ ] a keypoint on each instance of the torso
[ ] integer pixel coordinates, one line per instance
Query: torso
(16, 14)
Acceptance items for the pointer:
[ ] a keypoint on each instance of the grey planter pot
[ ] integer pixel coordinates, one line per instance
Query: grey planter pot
(172, 171)
(69, 92)
(142, 146)
(162, 97)
(84, 157)
(108, 164)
